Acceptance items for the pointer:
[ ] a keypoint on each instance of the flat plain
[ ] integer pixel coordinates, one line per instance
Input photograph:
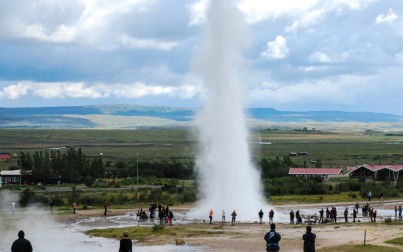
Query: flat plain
(332, 148)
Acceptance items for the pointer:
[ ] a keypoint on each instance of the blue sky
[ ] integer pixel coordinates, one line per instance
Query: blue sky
(303, 55)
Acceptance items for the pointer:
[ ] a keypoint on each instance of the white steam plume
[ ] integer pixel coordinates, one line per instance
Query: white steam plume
(41, 229)
(228, 179)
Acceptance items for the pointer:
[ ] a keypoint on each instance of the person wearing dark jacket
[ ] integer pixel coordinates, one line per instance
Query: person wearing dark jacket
(170, 217)
(21, 244)
(260, 216)
(272, 239)
(125, 243)
(309, 240)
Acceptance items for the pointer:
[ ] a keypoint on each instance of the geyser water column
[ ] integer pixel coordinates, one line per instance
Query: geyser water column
(228, 180)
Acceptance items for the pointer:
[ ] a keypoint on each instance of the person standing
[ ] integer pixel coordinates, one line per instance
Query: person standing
(371, 214)
(223, 216)
(335, 214)
(51, 206)
(395, 212)
(292, 217)
(260, 216)
(125, 243)
(321, 215)
(211, 216)
(170, 217)
(271, 216)
(105, 207)
(369, 195)
(400, 211)
(354, 214)
(233, 215)
(298, 216)
(21, 244)
(374, 215)
(309, 240)
(272, 239)
(74, 206)
(346, 215)
(161, 216)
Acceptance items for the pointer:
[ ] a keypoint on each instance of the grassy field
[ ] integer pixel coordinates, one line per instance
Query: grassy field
(308, 199)
(360, 248)
(336, 149)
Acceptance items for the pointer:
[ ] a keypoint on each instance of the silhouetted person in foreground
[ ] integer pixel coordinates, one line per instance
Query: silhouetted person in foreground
(125, 243)
(309, 240)
(272, 239)
(21, 244)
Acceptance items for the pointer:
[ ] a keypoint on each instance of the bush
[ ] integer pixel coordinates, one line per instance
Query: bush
(88, 181)
(91, 199)
(352, 195)
(189, 195)
(388, 220)
(27, 196)
(171, 188)
(57, 200)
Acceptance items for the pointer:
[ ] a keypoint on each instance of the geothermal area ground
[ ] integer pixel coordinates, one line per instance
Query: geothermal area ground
(47, 231)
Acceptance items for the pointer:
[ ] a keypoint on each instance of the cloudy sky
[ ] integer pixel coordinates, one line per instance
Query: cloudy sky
(304, 55)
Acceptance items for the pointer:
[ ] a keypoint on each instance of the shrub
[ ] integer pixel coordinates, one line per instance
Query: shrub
(171, 188)
(88, 181)
(352, 195)
(91, 199)
(388, 220)
(57, 200)
(27, 196)
(189, 195)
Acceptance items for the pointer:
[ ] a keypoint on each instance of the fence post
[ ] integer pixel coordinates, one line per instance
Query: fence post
(365, 236)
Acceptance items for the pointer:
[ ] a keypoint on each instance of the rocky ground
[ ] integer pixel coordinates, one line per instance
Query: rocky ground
(248, 236)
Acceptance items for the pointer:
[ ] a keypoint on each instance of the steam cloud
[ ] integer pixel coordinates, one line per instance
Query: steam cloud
(42, 230)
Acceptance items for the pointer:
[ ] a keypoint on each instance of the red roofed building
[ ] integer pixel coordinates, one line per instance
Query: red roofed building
(5, 157)
(324, 172)
(376, 172)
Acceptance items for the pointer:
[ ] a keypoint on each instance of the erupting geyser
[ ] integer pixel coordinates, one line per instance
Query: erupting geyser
(228, 180)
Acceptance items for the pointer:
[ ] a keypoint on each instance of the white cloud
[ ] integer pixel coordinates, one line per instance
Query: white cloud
(321, 57)
(352, 4)
(258, 10)
(95, 91)
(386, 18)
(61, 34)
(307, 20)
(346, 90)
(276, 49)
(14, 91)
(97, 23)
(325, 58)
(147, 43)
(197, 12)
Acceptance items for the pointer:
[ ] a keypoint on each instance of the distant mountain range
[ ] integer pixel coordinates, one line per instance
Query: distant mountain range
(132, 116)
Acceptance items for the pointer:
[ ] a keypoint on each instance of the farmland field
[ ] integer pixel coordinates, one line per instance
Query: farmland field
(337, 149)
